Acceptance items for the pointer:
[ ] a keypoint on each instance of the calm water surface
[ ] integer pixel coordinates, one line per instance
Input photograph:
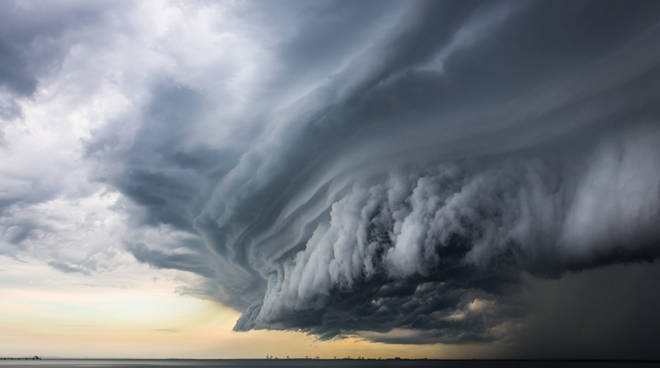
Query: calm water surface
(84, 363)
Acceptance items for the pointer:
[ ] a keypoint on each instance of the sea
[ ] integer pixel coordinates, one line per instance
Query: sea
(316, 363)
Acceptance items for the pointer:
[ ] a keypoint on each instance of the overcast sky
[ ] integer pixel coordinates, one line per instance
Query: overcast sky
(431, 178)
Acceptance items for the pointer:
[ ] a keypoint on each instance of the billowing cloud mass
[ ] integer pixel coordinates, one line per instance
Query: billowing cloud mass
(392, 170)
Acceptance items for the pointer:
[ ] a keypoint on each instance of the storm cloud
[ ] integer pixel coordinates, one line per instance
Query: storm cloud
(395, 171)
(460, 146)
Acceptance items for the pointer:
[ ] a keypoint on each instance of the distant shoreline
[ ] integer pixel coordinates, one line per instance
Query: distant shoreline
(349, 359)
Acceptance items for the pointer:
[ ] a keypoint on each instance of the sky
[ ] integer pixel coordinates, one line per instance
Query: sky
(230, 179)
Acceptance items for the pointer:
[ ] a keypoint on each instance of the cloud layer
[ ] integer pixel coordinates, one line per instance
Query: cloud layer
(386, 169)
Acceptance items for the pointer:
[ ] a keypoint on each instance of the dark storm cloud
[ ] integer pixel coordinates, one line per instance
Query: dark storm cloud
(162, 175)
(429, 166)
(187, 262)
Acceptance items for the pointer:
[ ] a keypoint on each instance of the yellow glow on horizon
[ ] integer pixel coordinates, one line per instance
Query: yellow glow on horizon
(60, 317)
(200, 329)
